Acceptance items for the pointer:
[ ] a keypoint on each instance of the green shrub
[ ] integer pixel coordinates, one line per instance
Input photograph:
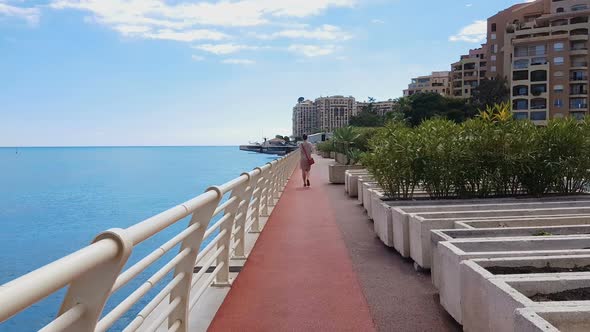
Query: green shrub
(492, 155)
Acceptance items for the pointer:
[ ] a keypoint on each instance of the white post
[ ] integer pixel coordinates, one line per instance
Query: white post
(94, 287)
(202, 216)
(260, 185)
(239, 252)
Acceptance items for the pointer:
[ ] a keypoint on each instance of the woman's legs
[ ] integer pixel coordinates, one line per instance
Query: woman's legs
(304, 175)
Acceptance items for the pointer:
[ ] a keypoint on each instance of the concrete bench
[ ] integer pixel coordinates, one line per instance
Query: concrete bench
(538, 221)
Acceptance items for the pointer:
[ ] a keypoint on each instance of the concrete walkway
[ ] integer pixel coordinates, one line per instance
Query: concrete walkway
(318, 267)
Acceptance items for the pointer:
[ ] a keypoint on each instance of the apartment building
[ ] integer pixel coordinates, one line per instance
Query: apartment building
(380, 107)
(335, 112)
(438, 81)
(305, 118)
(329, 113)
(541, 48)
(468, 72)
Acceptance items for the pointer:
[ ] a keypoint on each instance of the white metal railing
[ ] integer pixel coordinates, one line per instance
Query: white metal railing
(94, 273)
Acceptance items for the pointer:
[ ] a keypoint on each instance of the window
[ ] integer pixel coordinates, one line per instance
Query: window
(558, 74)
(578, 103)
(558, 60)
(493, 69)
(493, 27)
(493, 58)
(538, 116)
(558, 88)
(579, 7)
(558, 46)
(520, 104)
(539, 76)
(558, 103)
(493, 36)
(521, 115)
(560, 10)
(521, 64)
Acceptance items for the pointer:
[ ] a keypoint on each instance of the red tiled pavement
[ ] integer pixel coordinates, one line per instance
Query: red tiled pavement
(299, 277)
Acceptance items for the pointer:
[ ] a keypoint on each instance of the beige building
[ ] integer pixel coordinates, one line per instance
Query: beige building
(437, 82)
(467, 73)
(541, 48)
(305, 118)
(329, 113)
(380, 107)
(334, 112)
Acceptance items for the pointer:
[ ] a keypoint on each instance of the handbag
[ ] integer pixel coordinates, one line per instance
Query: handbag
(309, 159)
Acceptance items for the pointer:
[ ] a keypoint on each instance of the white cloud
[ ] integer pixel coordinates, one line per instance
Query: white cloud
(312, 50)
(197, 58)
(143, 18)
(473, 33)
(238, 61)
(377, 21)
(223, 48)
(325, 32)
(31, 14)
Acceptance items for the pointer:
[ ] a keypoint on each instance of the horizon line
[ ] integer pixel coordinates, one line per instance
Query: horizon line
(114, 146)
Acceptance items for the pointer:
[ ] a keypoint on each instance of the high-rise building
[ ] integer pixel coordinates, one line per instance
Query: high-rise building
(329, 113)
(467, 73)
(334, 112)
(541, 48)
(437, 82)
(380, 107)
(305, 118)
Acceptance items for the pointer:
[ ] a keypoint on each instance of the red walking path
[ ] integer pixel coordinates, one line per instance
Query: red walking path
(318, 267)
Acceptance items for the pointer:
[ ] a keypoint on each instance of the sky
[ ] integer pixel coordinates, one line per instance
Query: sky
(211, 72)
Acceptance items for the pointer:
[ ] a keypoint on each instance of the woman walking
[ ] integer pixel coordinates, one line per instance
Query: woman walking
(306, 160)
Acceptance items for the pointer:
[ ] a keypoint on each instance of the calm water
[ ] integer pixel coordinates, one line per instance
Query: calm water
(53, 201)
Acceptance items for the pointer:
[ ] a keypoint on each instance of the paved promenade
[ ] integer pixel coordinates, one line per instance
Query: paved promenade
(319, 267)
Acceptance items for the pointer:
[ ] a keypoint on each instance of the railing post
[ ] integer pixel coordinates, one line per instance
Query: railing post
(222, 277)
(239, 252)
(265, 191)
(255, 228)
(94, 287)
(202, 216)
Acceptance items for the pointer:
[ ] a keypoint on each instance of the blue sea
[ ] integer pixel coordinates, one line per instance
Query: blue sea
(53, 201)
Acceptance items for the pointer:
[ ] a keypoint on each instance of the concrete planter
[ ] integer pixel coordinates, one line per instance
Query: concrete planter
(476, 281)
(325, 154)
(360, 183)
(332, 155)
(336, 172)
(452, 253)
(400, 218)
(552, 319)
(341, 158)
(507, 295)
(351, 181)
(490, 233)
(421, 224)
(367, 197)
(382, 222)
(375, 197)
(541, 221)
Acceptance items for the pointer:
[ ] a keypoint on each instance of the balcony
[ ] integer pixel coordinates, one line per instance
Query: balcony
(580, 64)
(578, 77)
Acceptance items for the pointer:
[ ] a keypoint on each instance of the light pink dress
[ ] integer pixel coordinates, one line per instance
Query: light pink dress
(306, 147)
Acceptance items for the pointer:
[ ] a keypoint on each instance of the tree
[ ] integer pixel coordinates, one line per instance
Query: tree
(367, 117)
(490, 92)
(423, 106)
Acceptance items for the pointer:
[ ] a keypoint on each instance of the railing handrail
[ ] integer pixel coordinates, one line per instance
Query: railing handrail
(94, 272)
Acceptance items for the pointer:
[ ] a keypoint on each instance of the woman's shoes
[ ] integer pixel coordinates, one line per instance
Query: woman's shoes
(309, 185)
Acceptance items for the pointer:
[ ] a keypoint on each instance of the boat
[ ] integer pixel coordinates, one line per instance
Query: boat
(275, 146)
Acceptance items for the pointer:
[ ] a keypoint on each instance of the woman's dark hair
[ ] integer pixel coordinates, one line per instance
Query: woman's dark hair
(304, 137)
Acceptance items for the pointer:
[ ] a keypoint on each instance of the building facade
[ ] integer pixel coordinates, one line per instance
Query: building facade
(467, 73)
(335, 112)
(541, 48)
(380, 107)
(328, 113)
(305, 118)
(438, 82)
